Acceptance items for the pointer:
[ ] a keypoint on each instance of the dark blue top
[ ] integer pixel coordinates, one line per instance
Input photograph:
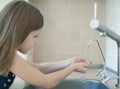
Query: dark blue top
(6, 82)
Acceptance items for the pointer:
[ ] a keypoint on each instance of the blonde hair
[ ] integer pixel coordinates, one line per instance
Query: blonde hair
(17, 20)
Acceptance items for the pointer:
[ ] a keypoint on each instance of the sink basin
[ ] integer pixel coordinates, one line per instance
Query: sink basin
(76, 84)
(95, 84)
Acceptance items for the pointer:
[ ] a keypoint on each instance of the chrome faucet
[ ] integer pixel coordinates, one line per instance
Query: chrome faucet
(109, 78)
(98, 43)
(105, 76)
(102, 71)
(106, 31)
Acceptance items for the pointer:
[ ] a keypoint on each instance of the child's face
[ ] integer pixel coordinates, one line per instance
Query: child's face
(29, 42)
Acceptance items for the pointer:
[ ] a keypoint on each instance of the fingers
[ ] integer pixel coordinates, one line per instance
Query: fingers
(82, 67)
(87, 65)
(77, 60)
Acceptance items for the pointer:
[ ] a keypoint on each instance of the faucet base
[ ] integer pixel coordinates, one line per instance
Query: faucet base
(117, 85)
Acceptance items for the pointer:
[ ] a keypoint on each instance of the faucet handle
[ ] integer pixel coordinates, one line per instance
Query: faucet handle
(102, 73)
(108, 78)
(99, 72)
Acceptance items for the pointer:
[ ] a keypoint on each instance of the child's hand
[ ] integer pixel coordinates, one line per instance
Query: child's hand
(81, 60)
(81, 65)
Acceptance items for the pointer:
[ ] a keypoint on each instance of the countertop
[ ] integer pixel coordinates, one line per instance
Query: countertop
(91, 74)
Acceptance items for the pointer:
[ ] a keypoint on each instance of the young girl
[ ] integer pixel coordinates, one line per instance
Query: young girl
(19, 28)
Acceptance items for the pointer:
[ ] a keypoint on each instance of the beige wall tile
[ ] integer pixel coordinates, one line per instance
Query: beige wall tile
(67, 30)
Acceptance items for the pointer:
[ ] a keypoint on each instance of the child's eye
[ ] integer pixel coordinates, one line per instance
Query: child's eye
(36, 36)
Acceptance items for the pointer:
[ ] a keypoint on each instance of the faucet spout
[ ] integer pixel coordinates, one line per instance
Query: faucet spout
(98, 43)
(95, 24)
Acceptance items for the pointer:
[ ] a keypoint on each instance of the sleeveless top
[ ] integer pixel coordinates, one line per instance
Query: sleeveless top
(6, 82)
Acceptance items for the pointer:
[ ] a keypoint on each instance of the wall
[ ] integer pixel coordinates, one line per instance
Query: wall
(66, 31)
(3, 3)
(112, 21)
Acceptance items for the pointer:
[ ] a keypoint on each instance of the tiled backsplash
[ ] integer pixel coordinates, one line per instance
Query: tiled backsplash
(66, 31)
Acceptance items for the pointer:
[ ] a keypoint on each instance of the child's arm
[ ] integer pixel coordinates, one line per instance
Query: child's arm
(49, 67)
(33, 76)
